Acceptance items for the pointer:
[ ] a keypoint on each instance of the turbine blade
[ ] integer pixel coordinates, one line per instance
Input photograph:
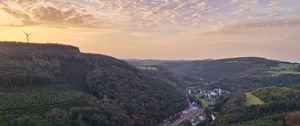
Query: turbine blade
(25, 33)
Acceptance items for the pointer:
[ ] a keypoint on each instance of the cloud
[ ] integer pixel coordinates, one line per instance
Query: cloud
(233, 1)
(25, 18)
(242, 9)
(108, 13)
(136, 14)
(2, 4)
(32, 12)
(52, 15)
(247, 28)
(273, 3)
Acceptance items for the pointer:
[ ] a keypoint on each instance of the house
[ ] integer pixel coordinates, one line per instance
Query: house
(213, 117)
(194, 104)
(213, 94)
(201, 118)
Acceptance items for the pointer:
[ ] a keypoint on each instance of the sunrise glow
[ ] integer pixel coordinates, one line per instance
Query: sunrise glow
(160, 29)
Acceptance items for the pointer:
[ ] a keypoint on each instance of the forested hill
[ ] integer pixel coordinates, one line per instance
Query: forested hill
(53, 84)
(268, 106)
(234, 73)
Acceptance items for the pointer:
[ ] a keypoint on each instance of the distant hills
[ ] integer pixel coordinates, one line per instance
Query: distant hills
(231, 73)
(53, 84)
(150, 61)
(263, 92)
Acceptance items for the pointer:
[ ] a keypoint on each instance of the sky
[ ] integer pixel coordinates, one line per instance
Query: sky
(160, 29)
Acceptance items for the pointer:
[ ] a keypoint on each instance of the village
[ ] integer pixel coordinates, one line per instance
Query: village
(201, 103)
(209, 95)
(204, 99)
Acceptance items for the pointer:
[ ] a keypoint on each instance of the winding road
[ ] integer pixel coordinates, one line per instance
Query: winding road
(190, 112)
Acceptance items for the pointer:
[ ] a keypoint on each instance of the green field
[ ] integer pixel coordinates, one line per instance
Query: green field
(284, 69)
(205, 103)
(147, 68)
(252, 99)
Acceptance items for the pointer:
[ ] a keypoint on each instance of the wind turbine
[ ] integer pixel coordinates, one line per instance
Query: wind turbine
(27, 36)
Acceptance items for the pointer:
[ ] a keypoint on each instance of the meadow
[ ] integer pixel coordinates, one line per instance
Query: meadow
(284, 69)
(252, 99)
(205, 103)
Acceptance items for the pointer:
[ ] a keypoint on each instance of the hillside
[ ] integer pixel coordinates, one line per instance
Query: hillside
(52, 84)
(281, 107)
(232, 73)
(210, 70)
(137, 62)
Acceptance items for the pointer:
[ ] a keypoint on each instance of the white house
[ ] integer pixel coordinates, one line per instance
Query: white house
(213, 117)
(201, 118)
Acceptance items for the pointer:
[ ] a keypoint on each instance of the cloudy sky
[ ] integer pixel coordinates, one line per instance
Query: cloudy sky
(160, 29)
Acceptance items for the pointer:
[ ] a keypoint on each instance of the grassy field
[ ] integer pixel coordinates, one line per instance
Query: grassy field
(284, 69)
(147, 68)
(252, 99)
(205, 103)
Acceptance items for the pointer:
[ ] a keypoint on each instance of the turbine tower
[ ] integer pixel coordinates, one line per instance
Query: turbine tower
(27, 36)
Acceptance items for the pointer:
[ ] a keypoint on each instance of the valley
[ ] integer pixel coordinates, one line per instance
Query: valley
(238, 80)
(149, 63)
(55, 85)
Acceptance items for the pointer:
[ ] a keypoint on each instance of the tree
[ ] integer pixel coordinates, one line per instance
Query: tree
(292, 118)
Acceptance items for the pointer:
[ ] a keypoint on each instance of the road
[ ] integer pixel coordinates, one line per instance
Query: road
(186, 114)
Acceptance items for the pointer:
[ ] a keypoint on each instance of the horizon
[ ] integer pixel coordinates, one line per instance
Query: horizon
(154, 59)
(160, 29)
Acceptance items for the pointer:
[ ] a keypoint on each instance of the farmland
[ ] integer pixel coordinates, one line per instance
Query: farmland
(252, 99)
(205, 103)
(284, 69)
(21, 98)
